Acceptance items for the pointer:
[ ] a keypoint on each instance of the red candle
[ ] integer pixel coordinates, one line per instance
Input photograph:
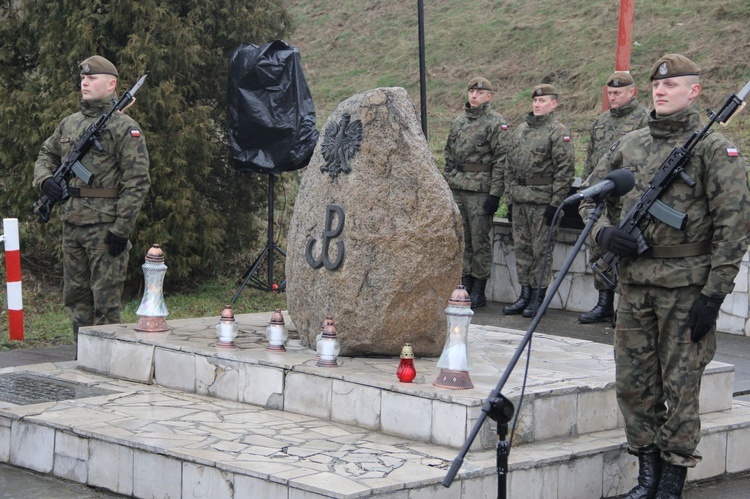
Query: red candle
(406, 371)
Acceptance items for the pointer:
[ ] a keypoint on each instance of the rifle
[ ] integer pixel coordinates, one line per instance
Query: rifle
(649, 205)
(72, 165)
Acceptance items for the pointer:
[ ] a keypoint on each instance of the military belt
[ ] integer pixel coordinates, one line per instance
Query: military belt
(679, 251)
(476, 168)
(535, 181)
(93, 192)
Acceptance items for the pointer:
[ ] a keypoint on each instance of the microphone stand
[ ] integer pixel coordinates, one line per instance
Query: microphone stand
(499, 408)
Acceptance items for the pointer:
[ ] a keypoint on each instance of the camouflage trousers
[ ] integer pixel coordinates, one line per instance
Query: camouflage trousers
(595, 253)
(477, 225)
(529, 242)
(93, 280)
(659, 371)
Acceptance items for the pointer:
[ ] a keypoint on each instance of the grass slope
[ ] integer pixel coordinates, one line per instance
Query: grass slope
(350, 46)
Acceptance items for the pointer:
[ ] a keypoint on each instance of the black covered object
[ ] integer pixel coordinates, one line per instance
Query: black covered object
(271, 112)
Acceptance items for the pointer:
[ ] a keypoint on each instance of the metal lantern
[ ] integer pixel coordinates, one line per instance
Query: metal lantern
(454, 362)
(226, 329)
(276, 333)
(328, 347)
(153, 310)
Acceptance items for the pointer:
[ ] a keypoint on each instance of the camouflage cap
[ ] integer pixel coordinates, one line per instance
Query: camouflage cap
(672, 65)
(543, 89)
(97, 64)
(620, 79)
(479, 83)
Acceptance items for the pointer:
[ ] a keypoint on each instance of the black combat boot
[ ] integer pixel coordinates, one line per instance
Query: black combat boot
(604, 310)
(521, 303)
(478, 299)
(537, 297)
(467, 281)
(649, 472)
(672, 481)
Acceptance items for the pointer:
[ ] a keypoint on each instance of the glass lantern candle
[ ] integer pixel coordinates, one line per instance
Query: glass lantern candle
(226, 329)
(454, 362)
(153, 310)
(328, 347)
(276, 333)
(406, 371)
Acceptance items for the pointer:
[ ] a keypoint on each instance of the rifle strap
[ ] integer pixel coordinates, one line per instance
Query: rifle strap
(679, 250)
(93, 192)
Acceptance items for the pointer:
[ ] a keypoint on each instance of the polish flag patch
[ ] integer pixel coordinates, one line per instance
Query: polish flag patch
(135, 133)
(503, 127)
(566, 138)
(732, 152)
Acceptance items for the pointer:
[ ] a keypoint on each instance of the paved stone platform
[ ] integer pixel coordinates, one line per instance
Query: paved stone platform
(247, 423)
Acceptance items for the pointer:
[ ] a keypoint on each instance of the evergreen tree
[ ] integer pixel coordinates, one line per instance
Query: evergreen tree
(199, 209)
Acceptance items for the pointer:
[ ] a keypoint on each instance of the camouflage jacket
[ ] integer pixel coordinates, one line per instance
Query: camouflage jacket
(541, 162)
(610, 126)
(123, 164)
(479, 136)
(718, 207)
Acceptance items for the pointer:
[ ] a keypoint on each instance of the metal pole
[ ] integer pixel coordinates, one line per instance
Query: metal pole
(422, 70)
(624, 42)
(13, 278)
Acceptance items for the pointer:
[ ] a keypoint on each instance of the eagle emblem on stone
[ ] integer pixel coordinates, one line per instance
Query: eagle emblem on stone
(341, 142)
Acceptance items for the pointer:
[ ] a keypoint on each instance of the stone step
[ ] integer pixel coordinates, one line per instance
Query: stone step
(569, 390)
(150, 441)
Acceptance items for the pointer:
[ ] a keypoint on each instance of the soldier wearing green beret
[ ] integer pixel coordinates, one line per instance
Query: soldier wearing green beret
(474, 169)
(97, 219)
(541, 166)
(625, 114)
(670, 296)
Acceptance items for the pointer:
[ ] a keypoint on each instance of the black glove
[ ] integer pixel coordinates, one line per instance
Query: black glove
(115, 244)
(510, 212)
(491, 204)
(617, 241)
(703, 316)
(549, 214)
(52, 190)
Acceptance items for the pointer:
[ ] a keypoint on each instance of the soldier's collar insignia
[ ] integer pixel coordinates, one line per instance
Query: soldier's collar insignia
(663, 68)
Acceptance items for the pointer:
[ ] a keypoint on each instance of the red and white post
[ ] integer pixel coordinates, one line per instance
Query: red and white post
(13, 274)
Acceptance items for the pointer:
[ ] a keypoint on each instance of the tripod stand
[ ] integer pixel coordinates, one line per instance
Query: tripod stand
(267, 252)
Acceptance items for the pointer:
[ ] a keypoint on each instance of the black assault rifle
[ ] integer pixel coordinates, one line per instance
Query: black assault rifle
(72, 165)
(649, 205)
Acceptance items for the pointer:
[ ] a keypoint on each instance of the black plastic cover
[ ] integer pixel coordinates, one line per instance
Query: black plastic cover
(271, 112)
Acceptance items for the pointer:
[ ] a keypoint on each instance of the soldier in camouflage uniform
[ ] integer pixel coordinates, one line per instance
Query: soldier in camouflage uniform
(671, 295)
(625, 115)
(97, 219)
(541, 165)
(474, 170)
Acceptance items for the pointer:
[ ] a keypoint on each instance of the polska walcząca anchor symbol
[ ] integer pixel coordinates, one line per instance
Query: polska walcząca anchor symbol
(328, 234)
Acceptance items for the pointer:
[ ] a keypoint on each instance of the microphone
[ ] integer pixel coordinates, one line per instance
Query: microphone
(617, 183)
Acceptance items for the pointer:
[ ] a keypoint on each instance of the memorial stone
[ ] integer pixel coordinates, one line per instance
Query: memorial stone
(375, 240)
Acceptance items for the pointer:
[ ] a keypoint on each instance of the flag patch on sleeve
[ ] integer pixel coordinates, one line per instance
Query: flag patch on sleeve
(503, 127)
(732, 152)
(566, 138)
(135, 133)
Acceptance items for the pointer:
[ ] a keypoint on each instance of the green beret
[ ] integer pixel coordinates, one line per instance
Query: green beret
(672, 65)
(479, 83)
(96, 65)
(620, 79)
(543, 89)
